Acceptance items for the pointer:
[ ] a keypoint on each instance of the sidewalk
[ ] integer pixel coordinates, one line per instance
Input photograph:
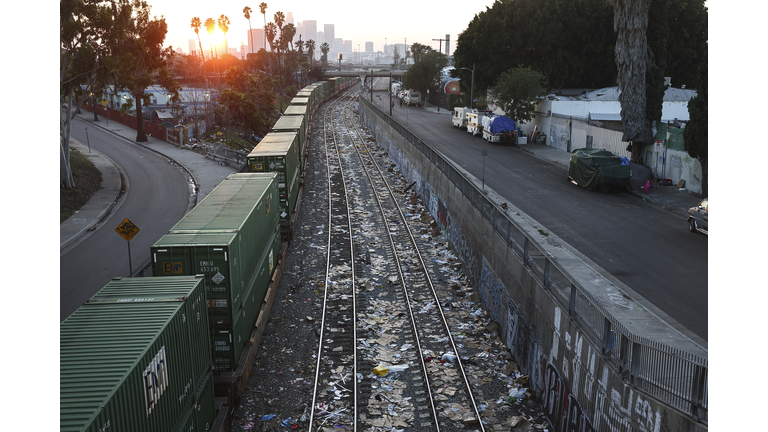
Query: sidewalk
(201, 171)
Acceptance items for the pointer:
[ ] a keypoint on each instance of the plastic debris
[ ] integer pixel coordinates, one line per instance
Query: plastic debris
(268, 417)
(380, 370)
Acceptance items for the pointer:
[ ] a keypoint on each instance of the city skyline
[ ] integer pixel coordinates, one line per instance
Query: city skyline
(391, 26)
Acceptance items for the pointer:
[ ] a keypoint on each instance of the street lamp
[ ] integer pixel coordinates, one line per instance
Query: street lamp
(439, 76)
(472, 94)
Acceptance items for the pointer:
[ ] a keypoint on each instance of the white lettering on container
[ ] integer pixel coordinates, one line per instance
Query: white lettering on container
(155, 380)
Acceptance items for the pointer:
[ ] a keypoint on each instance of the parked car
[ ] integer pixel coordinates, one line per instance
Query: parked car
(698, 217)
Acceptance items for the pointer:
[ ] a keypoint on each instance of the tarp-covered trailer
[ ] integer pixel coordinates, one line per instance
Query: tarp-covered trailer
(499, 129)
(600, 170)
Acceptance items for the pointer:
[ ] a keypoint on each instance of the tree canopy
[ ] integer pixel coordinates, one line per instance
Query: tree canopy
(696, 132)
(571, 42)
(517, 92)
(424, 74)
(139, 56)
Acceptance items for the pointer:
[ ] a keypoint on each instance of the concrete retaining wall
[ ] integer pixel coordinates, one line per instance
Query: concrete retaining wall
(580, 389)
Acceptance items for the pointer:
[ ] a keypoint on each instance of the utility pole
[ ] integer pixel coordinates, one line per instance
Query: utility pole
(439, 74)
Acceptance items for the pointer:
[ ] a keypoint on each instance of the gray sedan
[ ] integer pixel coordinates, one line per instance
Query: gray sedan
(698, 217)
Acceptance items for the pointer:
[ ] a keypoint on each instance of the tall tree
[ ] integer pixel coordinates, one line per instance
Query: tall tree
(325, 48)
(696, 132)
(142, 58)
(224, 23)
(270, 31)
(419, 50)
(517, 92)
(84, 27)
(196, 24)
(210, 26)
(422, 75)
(263, 9)
(286, 40)
(310, 44)
(247, 12)
(279, 21)
(630, 23)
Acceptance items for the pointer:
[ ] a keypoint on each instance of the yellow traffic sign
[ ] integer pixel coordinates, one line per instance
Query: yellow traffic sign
(127, 229)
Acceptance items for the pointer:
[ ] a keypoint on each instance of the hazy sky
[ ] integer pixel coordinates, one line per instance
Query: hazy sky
(358, 21)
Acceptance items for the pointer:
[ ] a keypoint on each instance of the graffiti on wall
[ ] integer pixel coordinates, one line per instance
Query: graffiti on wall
(560, 406)
(493, 293)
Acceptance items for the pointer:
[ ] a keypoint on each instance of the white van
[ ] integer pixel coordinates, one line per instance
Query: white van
(460, 117)
(412, 97)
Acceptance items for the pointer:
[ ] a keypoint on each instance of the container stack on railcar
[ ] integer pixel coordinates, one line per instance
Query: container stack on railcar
(279, 152)
(299, 100)
(136, 357)
(304, 112)
(295, 124)
(233, 238)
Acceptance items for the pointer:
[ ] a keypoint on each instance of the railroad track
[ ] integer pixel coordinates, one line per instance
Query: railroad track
(386, 356)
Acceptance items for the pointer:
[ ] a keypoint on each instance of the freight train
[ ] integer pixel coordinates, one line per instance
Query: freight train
(173, 352)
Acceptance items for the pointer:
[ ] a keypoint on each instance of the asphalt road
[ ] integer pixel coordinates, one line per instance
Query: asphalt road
(648, 249)
(158, 197)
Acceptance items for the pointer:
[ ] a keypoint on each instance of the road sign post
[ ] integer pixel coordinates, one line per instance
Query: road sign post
(128, 230)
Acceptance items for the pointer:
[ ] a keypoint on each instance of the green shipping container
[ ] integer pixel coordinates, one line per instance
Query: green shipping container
(201, 415)
(300, 100)
(292, 123)
(309, 95)
(299, 110)
(279, 152)
(130, 357)
(253, 299)
(227, 237)
(228, 343)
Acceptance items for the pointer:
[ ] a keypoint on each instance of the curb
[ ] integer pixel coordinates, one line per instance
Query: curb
(95, 221)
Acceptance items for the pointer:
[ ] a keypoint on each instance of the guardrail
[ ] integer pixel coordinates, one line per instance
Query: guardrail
(677, 378)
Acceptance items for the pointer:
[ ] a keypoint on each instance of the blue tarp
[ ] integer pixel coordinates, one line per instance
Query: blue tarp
(501, 124)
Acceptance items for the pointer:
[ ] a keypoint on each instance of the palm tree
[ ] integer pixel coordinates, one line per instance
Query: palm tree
(630, 21)
(300, 49)
(224, 26)
(310, 44)
(210, 25)
(247, 12)
(269, 33)
(279, 21)
(263, 9)
(196, 24)
(324, 47)
(286, 41)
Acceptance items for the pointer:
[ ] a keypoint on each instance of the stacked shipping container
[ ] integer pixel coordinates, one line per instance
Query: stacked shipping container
(136, 357)
(232, 237)
(279, 152)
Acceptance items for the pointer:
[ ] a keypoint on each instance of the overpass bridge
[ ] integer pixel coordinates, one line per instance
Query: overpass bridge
(366, 72)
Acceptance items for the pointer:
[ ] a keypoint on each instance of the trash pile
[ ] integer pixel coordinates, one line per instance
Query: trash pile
(279, 393)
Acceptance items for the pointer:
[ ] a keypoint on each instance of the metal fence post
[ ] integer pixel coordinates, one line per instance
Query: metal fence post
(697, 391)
(607, 339)
(634, 377)
(624, 358)
(525, 253)
(546, 274)
(572, 302)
